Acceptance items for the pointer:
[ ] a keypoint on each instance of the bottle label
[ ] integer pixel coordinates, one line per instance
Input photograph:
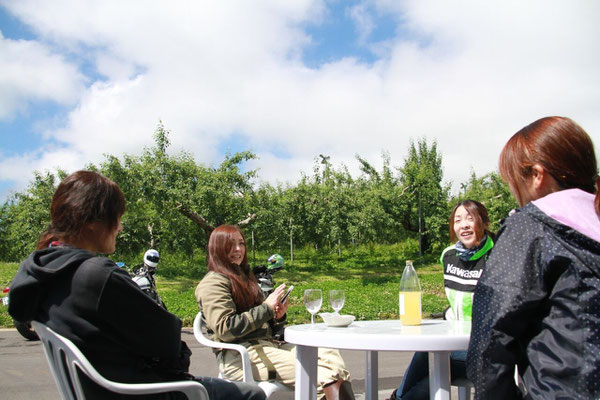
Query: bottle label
(402, 312)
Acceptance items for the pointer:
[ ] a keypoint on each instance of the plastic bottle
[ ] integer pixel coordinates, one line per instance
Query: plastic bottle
(410, 296)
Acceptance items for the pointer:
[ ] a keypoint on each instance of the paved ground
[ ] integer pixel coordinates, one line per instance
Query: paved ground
(24, 373)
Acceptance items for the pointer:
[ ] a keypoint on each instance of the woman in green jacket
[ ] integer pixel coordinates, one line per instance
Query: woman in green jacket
(463, 263)
(235, 310)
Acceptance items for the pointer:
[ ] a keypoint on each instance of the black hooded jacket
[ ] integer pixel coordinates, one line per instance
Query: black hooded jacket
(88, 299)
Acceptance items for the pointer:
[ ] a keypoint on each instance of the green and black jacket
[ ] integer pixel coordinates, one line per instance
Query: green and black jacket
(460, 278)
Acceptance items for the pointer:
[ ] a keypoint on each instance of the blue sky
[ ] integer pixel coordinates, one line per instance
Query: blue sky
(18, 131)
(287, 80)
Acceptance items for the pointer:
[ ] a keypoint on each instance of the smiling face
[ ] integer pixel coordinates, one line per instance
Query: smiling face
(465, 228)
(238, 249)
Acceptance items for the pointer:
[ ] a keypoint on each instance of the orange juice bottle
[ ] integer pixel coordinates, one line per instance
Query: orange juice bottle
(410, 296)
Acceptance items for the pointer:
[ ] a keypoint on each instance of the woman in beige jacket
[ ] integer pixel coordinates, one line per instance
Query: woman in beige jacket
(235, 310)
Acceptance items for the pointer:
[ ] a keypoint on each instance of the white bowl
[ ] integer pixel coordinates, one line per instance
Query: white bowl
(335, 319)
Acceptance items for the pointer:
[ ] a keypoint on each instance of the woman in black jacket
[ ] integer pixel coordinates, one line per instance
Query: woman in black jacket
(537, 303)
(88, 299)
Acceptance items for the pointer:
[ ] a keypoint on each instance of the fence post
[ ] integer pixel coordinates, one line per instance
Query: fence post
(253, 253)
(291, 243)
(420, 229)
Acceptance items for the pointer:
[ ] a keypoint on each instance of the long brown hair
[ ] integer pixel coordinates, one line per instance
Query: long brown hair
(480, 216)
(561, 147)
(81, 198)
(244, 288)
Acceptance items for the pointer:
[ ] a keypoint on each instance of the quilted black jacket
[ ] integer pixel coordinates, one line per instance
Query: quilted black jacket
(537, 305)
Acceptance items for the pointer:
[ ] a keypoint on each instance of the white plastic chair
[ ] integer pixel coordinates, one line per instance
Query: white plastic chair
(65, 360)
(269, 387)
(464, 388)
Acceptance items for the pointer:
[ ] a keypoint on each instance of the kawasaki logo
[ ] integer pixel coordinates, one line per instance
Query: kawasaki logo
(451, 269)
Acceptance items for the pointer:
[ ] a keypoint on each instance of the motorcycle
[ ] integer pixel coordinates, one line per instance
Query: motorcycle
(264, 273)
(143, 275)
(24, 328)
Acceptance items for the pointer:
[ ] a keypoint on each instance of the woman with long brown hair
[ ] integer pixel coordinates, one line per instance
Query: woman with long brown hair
(235, 310)
(536, 305)
(88, 299)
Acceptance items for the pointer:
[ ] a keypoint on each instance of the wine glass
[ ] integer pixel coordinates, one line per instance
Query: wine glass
(337, 299)
(313, 298)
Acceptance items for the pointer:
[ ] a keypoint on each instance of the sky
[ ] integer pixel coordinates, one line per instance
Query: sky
(288, 80)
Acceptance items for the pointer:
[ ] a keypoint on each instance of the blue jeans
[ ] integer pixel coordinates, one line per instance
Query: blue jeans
(415, 383)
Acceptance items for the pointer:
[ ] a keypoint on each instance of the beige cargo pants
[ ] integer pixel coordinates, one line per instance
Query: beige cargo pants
(280, 358)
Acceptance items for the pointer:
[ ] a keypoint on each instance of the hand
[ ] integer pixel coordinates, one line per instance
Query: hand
(274, 303)
(281, 309)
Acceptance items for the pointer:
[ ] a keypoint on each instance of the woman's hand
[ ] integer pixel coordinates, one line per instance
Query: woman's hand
(274, 303)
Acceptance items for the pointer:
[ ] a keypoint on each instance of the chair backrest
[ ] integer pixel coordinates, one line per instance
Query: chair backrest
(269, 387)
(66, 360)
(203, 339)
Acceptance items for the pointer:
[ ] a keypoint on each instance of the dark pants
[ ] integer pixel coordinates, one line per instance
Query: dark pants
(218, 389)
(415, 384)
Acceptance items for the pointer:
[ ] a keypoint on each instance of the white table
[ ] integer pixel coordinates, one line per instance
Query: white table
(438, 337)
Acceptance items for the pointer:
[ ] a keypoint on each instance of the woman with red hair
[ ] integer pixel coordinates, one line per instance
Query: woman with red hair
(235, 310)
(537, 303)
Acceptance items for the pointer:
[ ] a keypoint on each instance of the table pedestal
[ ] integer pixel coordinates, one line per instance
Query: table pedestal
(372, 373)
(439, 375)
(306, 368)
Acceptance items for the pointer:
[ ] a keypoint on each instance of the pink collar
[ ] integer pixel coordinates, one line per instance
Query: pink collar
(574, 208)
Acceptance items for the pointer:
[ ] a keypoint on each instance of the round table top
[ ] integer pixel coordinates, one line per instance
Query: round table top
(384, 335)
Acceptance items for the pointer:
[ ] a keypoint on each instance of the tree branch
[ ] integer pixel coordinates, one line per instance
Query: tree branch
(208, 228)
(246, 221)
(152, 242)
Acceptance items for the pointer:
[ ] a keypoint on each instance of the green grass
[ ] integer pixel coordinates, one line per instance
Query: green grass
(371, 288)
(370, 294)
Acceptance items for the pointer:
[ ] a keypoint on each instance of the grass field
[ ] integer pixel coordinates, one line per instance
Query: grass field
(371, 287)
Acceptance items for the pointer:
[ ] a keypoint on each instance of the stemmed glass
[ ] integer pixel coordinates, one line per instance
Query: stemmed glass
(313, 298)
(337, 299)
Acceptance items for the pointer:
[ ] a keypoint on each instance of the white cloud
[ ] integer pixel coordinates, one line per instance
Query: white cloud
(47, 161)
(468, 74)
(31, 72)
(363, 19)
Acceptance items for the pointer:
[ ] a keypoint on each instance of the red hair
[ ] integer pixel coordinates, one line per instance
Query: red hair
(561, 147)
(244, 288)
(480, 216)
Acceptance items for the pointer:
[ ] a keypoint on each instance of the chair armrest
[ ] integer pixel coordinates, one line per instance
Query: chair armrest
(192, 389)
(202, 339)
